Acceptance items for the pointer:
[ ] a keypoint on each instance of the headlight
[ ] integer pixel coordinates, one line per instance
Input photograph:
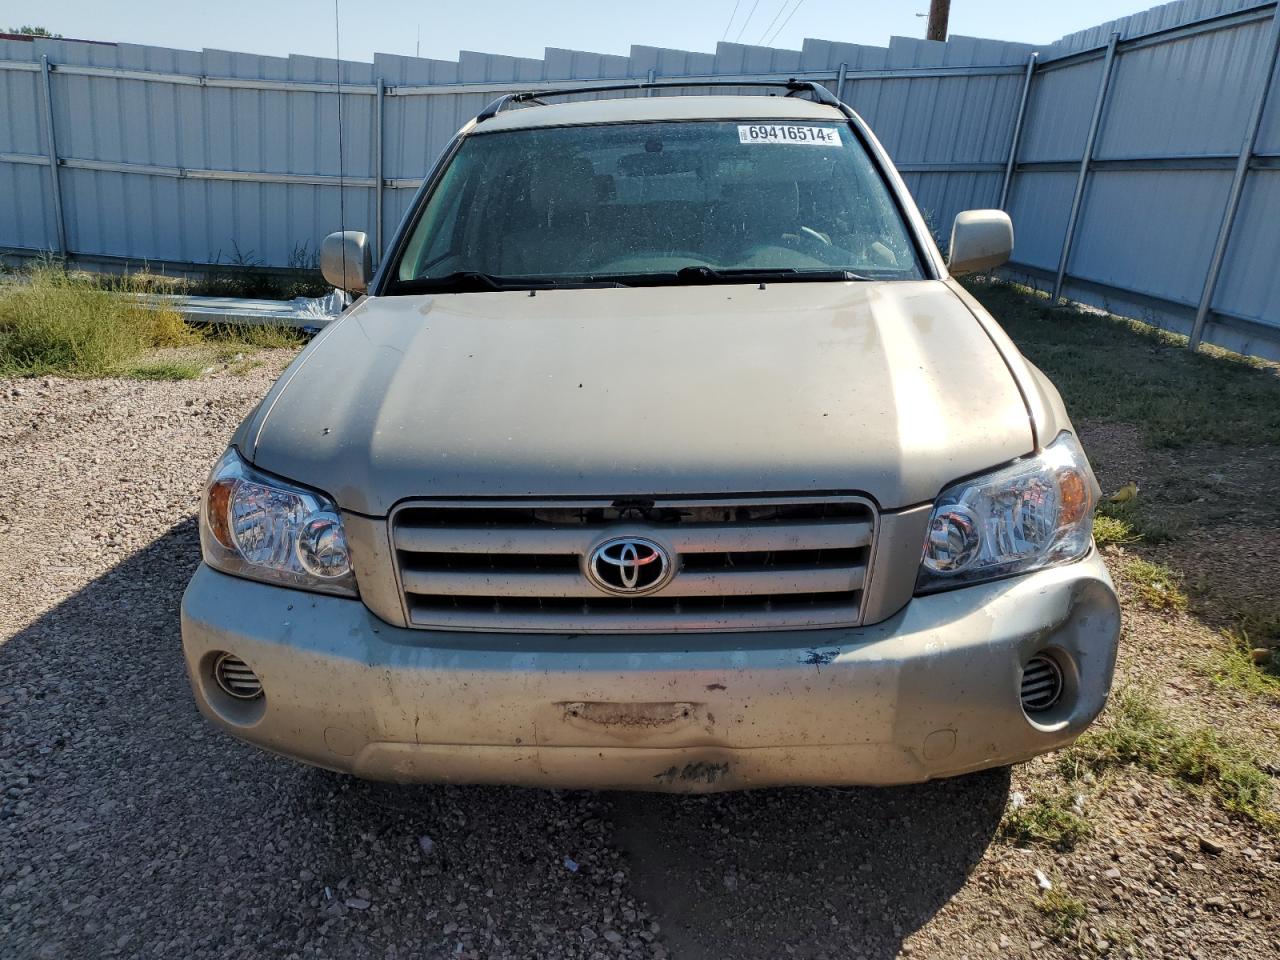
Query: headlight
(1031, 514)
(261, 527)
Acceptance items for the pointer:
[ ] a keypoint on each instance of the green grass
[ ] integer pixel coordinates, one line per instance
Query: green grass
(1047, 821)
(243, 367)
(1136, 732)
(1109, 368)
(1159, 587)
(1107, 530)
(1236, 666)
(254, 336)
(1135, 519)
(55, 322)
(1064, 911)
(165, 370)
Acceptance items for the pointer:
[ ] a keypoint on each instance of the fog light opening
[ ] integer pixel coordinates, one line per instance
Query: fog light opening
(236, 678)
(1042, 684)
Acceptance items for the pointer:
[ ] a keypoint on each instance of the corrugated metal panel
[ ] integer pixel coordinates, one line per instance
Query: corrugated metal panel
(1190, 96)
(1269, 131)
(1250, 284)
(1058, 113)
(26, 208)
(1151, 232)
(1038, 205)
(1164, 17)
(940, 196)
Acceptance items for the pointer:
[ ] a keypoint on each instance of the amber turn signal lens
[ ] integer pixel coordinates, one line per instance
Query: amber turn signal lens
(218, 511)
(1074, 491)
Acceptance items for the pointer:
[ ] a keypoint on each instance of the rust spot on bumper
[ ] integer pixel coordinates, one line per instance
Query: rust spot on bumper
(697, 772)
(630, 715)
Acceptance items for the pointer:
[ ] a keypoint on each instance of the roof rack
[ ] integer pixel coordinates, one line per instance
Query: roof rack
(793, 86)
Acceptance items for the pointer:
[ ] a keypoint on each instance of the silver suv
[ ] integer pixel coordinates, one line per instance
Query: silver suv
(662, 452)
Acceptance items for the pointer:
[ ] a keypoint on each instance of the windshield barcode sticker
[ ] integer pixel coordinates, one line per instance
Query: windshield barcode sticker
(789, 133)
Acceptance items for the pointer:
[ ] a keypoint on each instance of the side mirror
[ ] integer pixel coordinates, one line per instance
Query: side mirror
(980, 240)
(347, 261)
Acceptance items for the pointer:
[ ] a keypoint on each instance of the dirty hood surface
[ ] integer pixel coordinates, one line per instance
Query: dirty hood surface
(888, 389)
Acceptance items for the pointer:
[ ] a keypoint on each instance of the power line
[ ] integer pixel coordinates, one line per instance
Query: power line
(799, 4)
(743, 28)
(782, 6)
(730, 23)
(342, 193)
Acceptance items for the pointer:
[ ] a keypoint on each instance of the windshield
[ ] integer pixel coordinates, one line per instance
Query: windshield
(658, 201)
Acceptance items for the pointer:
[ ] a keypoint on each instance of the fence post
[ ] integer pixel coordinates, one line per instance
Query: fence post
(53, 157)
(1107, 63)
(1237, 187)
(1017, 132)
(649, 78)
(840, 78)
(377, 170)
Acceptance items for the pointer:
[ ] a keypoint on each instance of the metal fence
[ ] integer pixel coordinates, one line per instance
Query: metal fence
(1147, 177)
(1138, 159)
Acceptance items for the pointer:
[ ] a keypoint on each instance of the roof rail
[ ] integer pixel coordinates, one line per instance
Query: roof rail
(793, 86)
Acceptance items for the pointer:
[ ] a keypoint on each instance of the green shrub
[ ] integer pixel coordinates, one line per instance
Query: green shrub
(55, 322)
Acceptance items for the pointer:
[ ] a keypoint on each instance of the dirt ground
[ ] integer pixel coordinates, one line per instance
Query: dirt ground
(130, 828)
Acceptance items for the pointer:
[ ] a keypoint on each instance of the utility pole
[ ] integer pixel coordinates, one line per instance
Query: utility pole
(939, 13)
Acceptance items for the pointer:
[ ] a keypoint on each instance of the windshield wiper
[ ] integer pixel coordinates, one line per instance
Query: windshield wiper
(461, 281)
(703, 274)
(472, 281)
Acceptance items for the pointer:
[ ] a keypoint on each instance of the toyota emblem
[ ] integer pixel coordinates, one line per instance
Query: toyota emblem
(629, 566)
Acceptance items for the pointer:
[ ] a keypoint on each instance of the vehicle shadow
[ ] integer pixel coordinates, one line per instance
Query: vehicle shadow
(130, 826)
(831, 872)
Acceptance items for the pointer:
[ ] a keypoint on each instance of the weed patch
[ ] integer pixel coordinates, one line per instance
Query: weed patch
(1138, 521)
(1250, 658)
(1108, 530)
(55, 322)
(166, 370)
(1136, 732)
(254, 336)
(1064, 911)
(1158, 586)
(1048, 821)
(81, 325)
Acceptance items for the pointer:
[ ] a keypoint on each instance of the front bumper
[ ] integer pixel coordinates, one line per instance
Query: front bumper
(931, 692)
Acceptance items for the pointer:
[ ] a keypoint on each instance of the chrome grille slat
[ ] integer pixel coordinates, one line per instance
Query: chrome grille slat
(685, 538)
(753, 564)
(727, 583)
(589, 621)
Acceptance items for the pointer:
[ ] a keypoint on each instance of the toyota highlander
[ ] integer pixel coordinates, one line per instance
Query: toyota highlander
(662, 451)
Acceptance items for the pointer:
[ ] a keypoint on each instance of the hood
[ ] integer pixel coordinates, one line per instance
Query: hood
(888, 389)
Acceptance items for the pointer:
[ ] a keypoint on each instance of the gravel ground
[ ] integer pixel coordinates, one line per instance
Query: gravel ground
(130, 828)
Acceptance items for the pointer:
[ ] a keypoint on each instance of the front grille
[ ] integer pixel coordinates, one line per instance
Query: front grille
(750, 564)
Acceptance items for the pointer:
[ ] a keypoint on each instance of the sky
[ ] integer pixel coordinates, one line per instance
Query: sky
(281, 27)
